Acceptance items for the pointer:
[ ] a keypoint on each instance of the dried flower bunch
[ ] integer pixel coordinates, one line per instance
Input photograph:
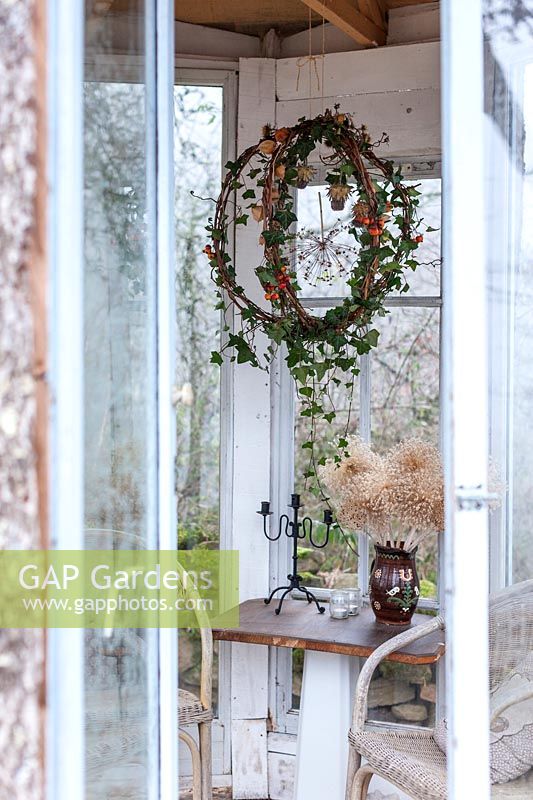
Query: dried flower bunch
(397, 498)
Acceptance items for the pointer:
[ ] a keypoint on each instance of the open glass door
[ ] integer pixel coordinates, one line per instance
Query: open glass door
(488, 256)
(120, 402)
(112, 695)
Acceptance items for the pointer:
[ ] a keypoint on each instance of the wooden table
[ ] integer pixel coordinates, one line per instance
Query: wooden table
(328, 679)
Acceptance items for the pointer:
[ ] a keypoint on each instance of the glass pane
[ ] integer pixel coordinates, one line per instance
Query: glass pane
(297, 676)
(425, 280)
(120, 408)
(405, 377)
(324, 249)
(508, 192)
(403, 694)
(198, 157)
(336, 564)
(405, 399)
(509, 105)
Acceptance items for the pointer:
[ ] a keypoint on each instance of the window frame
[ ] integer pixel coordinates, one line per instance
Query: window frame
(225, 76)
(285, 717)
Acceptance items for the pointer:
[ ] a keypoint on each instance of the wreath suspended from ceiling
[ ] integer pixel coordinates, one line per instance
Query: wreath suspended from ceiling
(384, 232)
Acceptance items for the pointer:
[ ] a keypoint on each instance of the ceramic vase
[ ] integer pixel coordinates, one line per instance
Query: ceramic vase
(394, 588)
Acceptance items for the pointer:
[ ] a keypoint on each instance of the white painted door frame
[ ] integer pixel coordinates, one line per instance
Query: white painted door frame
(225, 75)
(465, 410)
(65, 657)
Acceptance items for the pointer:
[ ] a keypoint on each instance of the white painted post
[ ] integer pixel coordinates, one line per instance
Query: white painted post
(166, 427)
(251, 464)
(65, 706)
(465, 404)
(325, 717)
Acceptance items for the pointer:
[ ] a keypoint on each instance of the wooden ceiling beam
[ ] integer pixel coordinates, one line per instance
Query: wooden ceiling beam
(344, 15)
(373, 9)
(403, 3)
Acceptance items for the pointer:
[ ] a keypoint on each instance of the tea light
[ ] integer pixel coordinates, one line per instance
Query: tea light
(338, 605)
(353, 597)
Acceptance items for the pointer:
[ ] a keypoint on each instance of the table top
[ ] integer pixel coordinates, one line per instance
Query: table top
(300, 625)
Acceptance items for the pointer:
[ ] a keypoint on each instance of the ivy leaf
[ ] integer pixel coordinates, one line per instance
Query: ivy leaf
(276, 333)
(216, 358)
(301, 374)
(306, 391)
(347, 169)
(321, 367)
(232, 166)
(392, 266)
(242, 220)
(244, 352)
(248, 194)
(372, 337)
(273, 237)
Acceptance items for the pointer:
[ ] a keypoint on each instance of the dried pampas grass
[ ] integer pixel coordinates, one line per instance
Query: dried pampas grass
(397, 499)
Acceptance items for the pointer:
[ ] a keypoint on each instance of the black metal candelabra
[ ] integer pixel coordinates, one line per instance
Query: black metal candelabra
(295, 530)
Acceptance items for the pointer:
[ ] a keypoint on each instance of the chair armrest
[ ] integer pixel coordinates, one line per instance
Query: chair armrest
(380, 653)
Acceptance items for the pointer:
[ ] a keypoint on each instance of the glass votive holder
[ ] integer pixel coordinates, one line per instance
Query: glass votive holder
(338, 605)
(353, 598)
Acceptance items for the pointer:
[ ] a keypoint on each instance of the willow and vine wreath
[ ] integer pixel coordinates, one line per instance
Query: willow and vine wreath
(386, 233)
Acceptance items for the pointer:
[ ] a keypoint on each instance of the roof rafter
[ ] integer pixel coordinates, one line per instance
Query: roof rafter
(373, 9)
(345, 16)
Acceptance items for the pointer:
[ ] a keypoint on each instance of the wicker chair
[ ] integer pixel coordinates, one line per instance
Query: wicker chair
(411, 760)
(198, 711)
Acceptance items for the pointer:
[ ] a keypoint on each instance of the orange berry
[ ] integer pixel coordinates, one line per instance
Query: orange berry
(282, 134)
(419, 238)
(366, 220)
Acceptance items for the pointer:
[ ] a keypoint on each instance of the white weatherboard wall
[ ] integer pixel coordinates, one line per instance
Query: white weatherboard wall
(394, 89)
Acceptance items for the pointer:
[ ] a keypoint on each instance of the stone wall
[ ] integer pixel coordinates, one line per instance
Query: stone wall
(403, 693)
(21, 652)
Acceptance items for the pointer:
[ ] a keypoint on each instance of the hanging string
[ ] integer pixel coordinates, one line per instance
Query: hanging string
(311, 61)
(323, 56)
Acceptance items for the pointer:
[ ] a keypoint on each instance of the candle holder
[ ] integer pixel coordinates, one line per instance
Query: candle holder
(297, 531)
